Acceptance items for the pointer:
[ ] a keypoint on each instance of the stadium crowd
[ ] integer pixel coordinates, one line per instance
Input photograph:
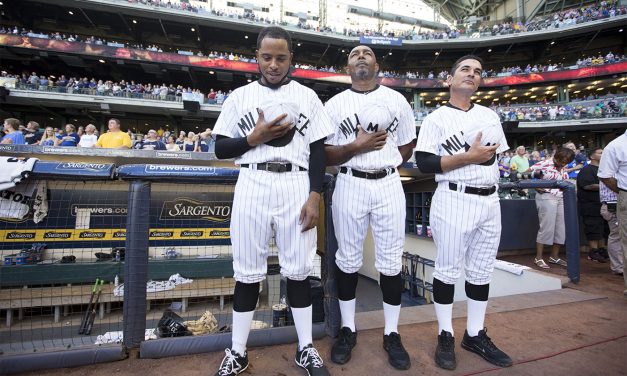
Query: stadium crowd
(610, 106)
(560, 19)
(609, 58)
(14, 132)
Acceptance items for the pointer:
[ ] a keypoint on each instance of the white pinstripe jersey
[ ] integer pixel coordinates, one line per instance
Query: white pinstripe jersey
(239, 116)
(442, 133)
(343, 109)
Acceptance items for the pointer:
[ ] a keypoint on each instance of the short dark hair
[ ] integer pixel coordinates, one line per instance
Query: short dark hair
(564, 155)
(274, 32)
(465, 57)
(13, 122)
(116, 120)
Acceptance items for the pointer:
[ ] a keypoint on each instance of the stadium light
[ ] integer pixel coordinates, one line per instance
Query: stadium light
(245, 36)
(577, 91)
(620, 31)
(134, 21)
(193, 29)
(489, 50)
(70, 12)
(552, 42)
(514, 98)
(100, 60)
(298, 44)
(533, 96)
(599, 89)
(436, 53)
(390, 53)
(211, 72)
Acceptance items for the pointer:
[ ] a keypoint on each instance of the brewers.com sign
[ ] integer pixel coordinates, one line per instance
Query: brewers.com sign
(187, 208)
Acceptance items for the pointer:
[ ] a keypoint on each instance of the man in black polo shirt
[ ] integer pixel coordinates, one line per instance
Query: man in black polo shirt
(589, 206)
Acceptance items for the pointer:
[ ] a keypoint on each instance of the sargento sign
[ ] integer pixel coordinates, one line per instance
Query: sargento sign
(187, 208)
(80, 235)
(12, 235)
(78, 166)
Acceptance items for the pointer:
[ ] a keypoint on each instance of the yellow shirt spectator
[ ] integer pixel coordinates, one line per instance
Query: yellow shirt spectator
(114, 140)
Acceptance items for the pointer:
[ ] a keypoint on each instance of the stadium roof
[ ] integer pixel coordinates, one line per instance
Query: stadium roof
(453, 10)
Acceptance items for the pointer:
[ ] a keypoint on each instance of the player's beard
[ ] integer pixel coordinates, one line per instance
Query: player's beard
(271, 85)
(364, 74)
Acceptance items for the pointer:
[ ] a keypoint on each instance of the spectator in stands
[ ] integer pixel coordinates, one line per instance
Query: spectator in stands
(89, 139)
(171, 145)
(151, 142)
(12, 135)
(49, 138)
(115, 138)
(206, 139)
(70, 138)
(189, 144)
(578, 162)
(550, 205)
(33, 134)
(519, 162)
(181, 139)
(589, 207)
(535, 158)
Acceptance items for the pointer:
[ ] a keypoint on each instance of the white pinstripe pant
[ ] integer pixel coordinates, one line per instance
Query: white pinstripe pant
(265, 200)
(466, 229)
(358, 202)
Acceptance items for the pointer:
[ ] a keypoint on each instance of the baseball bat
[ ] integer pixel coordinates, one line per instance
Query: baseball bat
(81, 330)
(92, 316)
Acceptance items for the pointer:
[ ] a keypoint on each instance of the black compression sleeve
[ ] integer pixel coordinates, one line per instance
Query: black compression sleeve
(429, 163)
(227, 147)
(317, 165)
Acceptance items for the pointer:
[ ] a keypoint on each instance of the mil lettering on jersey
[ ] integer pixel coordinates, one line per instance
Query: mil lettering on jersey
(453, 144)
(247, 123)
(347, 127)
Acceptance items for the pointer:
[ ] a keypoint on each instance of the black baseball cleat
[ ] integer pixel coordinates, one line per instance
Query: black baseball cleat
(595, 255)
(309, 360)
(341, 350)
(604, 254)
(233, 363)
(445, 351)
(483, 346)
(397, 356)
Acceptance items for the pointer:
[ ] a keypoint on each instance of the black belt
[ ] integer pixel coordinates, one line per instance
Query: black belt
(274, 167)
(474, 190)
(368, 175)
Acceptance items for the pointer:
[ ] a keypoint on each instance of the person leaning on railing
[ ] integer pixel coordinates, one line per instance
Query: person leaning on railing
(115, 138)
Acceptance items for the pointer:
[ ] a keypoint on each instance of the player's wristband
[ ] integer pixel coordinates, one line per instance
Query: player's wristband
(428, 163)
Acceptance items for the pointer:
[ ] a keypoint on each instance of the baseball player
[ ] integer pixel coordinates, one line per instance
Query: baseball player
(282, 165)
(374, 134)
(458, 143)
